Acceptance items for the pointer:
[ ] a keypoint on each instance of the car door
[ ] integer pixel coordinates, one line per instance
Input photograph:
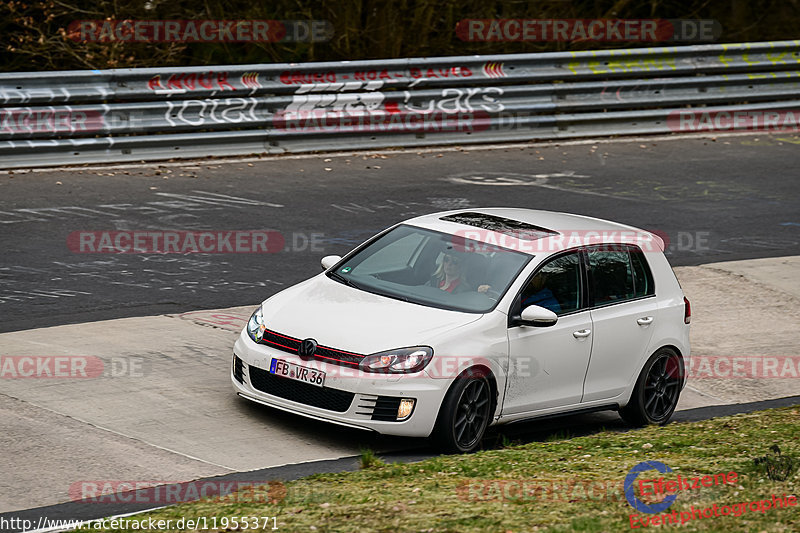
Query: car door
(624, 313)
(547, 365)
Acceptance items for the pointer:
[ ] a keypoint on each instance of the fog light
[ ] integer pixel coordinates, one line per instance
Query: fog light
(406, 406)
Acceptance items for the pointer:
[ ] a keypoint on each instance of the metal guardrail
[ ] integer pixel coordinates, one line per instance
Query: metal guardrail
(71, 117)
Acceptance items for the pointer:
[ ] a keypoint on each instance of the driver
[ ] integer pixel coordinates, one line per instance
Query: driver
(449, 275)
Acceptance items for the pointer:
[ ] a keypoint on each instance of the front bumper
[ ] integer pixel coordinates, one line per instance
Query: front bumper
(330, 403)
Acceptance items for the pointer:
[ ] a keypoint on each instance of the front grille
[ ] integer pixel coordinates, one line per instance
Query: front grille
(291, 345)
(281, 342)
(382, 408)
(238, 369)
(296, 391)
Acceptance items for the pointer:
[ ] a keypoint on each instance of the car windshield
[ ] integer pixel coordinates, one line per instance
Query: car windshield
(432, 268)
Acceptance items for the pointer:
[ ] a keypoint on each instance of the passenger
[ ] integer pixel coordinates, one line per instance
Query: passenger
(537, 294)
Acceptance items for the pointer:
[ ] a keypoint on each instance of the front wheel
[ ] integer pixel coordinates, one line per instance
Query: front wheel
(464, 416)
(657, 390)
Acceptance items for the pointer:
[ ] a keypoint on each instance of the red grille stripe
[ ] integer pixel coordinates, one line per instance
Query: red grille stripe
(319, 347)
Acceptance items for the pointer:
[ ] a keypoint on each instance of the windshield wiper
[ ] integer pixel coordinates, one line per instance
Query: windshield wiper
(341, 279)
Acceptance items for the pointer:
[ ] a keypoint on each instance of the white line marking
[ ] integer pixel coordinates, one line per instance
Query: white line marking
(701, 393)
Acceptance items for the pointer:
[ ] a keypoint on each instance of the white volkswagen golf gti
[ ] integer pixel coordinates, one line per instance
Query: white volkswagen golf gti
(448, 323)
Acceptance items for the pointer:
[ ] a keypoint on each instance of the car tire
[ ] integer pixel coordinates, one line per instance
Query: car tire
(657, 390)
(465, 414)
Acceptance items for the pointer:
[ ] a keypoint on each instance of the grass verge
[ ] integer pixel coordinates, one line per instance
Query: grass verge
(564, 484)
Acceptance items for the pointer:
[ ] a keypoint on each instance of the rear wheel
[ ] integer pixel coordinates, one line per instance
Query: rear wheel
(464, 415)
(657, 390)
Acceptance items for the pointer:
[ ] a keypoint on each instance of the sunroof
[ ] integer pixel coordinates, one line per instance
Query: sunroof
(514, 228)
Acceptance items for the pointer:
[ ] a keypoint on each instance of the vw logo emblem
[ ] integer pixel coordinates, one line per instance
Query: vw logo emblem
(307, 347)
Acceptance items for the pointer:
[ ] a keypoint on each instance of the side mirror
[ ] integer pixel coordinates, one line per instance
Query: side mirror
(533, 315)
(329, 260)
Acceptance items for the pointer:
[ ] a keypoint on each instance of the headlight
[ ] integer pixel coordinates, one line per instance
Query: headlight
(256, 326)
(400, 361)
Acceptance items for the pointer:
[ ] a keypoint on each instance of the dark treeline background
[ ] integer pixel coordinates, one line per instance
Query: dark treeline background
(33, 33)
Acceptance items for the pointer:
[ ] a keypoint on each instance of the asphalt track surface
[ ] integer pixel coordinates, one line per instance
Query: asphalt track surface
(541, 430)
(733, 198)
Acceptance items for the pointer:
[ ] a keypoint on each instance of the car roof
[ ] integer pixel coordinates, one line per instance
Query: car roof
(561, 230)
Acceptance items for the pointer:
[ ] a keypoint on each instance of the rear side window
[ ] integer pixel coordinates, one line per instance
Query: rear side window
(642, 276)
(619, 274)
(612, 275)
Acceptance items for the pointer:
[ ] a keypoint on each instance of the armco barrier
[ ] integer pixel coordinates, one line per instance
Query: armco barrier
(71, 117)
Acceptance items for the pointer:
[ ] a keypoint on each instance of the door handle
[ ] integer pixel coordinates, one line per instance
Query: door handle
(582, 333)
(644, 321)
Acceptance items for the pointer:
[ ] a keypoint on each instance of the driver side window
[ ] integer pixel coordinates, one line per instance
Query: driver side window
(556, 286)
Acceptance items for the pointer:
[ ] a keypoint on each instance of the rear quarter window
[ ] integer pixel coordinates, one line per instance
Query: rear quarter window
(642, 275)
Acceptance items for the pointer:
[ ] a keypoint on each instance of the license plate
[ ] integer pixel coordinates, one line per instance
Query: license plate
(285, 369)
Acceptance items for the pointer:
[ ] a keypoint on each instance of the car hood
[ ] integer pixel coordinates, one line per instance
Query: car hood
(345, 318)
